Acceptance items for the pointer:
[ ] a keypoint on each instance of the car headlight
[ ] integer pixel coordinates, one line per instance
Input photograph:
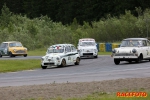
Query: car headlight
(114, 51)
(134, 50)
(14, 50)
(58, 58)
(25, 48)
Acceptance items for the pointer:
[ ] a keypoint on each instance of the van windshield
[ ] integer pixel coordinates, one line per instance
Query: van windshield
(87, 43)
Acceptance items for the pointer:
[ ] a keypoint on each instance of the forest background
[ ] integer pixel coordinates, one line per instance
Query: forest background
(39, 24)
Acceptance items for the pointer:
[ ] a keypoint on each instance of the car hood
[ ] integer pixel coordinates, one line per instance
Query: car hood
(87, 47)
(125, 49)
(54, 55)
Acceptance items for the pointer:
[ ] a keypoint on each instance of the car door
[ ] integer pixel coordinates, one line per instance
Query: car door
(145, 49)
(148, 45)
(4, 49)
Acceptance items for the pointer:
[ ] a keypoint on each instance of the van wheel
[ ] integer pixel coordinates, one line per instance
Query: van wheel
(63, 63)
(77, 61)
(116, 61)
(43, 67)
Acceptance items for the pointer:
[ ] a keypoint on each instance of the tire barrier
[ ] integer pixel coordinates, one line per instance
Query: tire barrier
(107, 47)
(102, 47)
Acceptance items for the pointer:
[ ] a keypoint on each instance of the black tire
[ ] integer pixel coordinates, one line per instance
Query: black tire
(25, 55)
(43, 67)
(10, 54)
(139, 59)
(77, 61)
(63, 63)
(116, 61)
(96, 56)
(0, 55)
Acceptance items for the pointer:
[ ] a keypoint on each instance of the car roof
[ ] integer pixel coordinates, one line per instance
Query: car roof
(10, 41)
(87, 39)
(135, 39)
(62, 45)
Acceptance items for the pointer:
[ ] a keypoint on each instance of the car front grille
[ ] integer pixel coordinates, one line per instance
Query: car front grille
(48, 63)
(87, 53)
(20, 51)
(124, 54)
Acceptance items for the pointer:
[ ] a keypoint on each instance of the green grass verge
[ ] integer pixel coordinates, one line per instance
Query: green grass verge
(18, 65)
(37, 52)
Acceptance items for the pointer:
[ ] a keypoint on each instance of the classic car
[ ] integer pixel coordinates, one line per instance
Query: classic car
(87, 47)
(12, 49)
(132, 49)
(60, 55)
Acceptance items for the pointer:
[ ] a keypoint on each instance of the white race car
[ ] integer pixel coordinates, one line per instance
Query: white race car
(87, 48)
(60, 55)
(132, 49)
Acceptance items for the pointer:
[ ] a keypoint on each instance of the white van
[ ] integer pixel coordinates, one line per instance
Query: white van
(87, 47)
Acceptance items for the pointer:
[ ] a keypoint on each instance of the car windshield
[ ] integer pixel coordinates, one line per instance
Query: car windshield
(87, 43)
(16, 44)
(131, 43)
(54, 50)
(3, 45)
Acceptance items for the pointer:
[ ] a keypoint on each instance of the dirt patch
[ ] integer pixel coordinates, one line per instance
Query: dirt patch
(79, 89)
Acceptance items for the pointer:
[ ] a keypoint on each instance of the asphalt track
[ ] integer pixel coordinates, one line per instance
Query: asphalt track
(90, 69)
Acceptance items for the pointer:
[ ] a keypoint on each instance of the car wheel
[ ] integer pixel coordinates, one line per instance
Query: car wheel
(95, 56)
(77, 61)
(0, 55)
(139, 59)
(25, 55)
(63, 63)
(43, 67)
(116, 61)
(10, 54)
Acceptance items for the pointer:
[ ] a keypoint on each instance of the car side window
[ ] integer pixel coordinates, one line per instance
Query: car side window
(144, 43)
(148, 43)
(73, 48)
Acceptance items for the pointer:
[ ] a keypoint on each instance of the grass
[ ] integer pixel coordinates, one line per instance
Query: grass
(37, 52)
(18, 65)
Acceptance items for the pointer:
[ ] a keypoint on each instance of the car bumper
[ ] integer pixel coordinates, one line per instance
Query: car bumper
(46, 63)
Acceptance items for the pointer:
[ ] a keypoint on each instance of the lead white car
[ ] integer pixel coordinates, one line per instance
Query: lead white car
(132, 49)
(60, 55)
(87, 48)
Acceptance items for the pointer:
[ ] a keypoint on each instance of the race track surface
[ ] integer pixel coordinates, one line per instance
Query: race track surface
(90, 69)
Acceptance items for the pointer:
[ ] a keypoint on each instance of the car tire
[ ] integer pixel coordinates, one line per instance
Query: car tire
(63, 63)
(116, 61)
(0, 55)
(25, 55)
(96, 56)
(43, 67)
(77, 61)
(10, 54)
(139, 59)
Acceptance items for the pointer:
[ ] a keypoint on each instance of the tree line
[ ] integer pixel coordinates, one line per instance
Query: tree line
(66, 10)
